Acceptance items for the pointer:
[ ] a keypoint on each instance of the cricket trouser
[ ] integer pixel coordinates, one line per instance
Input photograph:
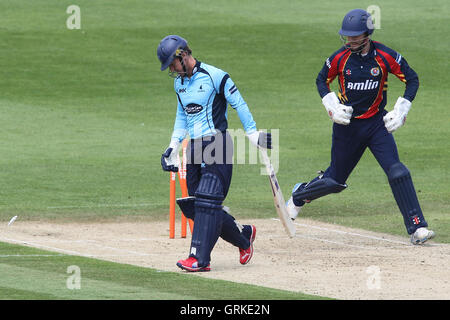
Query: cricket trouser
(208, 177)
(348, 145)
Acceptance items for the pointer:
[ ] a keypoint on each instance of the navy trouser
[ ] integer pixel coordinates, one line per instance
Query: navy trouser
(206, 157)
(210, 155)
(349, 143)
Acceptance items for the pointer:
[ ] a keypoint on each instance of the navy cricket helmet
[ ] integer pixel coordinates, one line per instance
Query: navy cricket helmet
(356, 22)
(169, 48)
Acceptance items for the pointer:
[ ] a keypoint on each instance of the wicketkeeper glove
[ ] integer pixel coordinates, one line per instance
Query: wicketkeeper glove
(170, 160)
(397, 117)
(261, 139)
(338, 112)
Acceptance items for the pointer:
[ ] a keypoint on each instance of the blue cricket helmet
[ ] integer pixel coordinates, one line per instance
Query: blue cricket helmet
(169, 48)
(356, 22)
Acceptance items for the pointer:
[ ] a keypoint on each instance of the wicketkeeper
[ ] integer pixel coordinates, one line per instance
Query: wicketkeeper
(203, 94)
(361, 121)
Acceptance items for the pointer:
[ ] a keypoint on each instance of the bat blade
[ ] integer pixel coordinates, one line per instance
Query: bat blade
(278, 199)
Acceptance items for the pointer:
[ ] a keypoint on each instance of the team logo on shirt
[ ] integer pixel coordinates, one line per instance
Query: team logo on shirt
(367, 85)
(375, 71)
(193, 108)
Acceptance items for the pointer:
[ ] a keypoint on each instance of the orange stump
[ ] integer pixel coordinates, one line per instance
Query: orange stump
(184, 193)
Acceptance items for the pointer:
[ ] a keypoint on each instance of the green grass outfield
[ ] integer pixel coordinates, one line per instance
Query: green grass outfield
(85, 114)
(34, 274)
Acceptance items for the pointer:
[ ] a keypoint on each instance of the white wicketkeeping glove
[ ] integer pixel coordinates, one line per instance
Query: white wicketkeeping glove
(338, 112)
(170, 160)
(397, 117)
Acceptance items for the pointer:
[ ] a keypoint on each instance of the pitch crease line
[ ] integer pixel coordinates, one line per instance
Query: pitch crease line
(348, 233)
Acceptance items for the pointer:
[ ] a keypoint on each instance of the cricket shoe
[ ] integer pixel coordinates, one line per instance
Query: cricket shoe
(422, 235)
(247, 254)
(191, 265)
(292, 209)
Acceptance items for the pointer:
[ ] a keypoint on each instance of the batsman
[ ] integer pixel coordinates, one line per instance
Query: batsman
(360, 120)
(203, 93)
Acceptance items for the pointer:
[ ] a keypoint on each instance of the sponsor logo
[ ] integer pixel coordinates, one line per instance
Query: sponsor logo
(328, 63)
(348, 72)
(368, 85)
(182, 90)
(193, 108)
(201, 89)
(375, 71)
(416, 220)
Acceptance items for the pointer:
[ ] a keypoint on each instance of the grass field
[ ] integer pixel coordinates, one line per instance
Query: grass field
(40, 275)
(86, 114)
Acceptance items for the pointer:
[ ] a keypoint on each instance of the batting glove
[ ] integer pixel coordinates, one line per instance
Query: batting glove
(397, 117)
(261, 139)
(170, 160)
(338, 112)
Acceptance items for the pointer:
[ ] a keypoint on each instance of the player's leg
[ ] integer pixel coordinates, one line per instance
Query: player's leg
(348, 146)
(232, 231)
(207, 223)
(224, 223)
(384, 148)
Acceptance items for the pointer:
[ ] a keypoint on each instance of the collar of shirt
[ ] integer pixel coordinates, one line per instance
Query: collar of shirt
(194, 71)
(370, 53)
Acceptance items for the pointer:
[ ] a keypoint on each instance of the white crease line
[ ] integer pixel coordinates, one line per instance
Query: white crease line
(348, 233)
(89, 240)
(117, 249)
(31, 255)
(42, 246)
(71, 252)
(333, 242)
(105, 205)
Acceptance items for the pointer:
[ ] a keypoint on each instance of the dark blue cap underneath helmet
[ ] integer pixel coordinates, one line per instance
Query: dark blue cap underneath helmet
(168, 49)
(356, 22)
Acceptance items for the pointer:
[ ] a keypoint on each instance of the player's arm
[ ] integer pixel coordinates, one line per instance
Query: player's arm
(400, 68)
(169, 159)
(411, 79)
(234, 98)
(337, 112)
(326, 76)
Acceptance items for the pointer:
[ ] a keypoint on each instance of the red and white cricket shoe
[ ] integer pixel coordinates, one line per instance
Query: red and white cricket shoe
(247, 254)
(191, 265)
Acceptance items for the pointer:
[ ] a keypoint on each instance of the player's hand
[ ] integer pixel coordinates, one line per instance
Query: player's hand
(261, 139)
(339, 113)
(170, 160)
(397, 117)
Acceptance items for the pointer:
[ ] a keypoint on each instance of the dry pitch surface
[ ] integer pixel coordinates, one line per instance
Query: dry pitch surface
(323, 259)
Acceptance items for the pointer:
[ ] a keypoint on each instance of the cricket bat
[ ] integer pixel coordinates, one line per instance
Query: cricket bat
(278, 199)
